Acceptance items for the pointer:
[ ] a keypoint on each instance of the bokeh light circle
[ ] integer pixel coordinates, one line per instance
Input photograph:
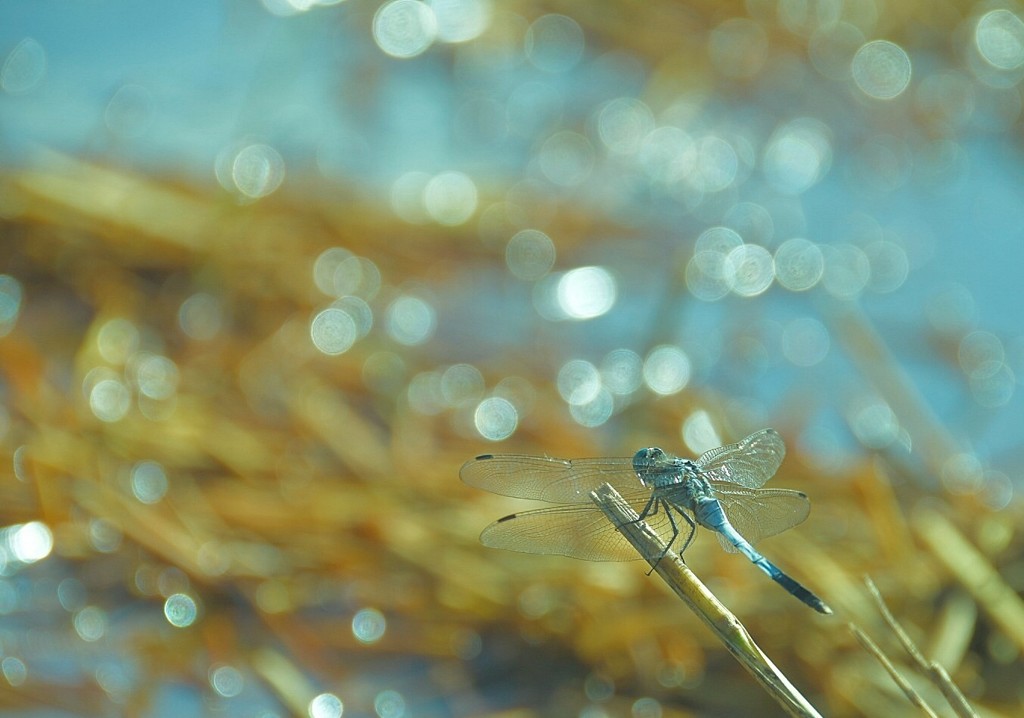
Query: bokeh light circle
(881, 69)
(495, 418)
(554, 43)
(411, 320)
(799, 264)
(326, 705)
(257, 170)
(752, 269)
(667, 370)
(586, 292)
(369, 625)
(530, 254)
(999, 37)
(333, 331)
(404, 28)
(181, 610)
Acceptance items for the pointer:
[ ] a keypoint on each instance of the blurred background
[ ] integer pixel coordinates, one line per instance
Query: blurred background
(270, 272)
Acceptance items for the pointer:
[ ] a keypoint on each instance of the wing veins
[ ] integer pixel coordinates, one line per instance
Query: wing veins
(749, 463)
(578, 531)
(558, 481)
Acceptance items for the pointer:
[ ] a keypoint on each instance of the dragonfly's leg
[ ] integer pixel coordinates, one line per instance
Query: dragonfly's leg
(650, 509)
(675, 534)
(689, 536)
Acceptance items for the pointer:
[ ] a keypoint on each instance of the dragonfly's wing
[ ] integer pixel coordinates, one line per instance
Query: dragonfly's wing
(749, 463)
(557, 481)
(577, 531)
(759, 514)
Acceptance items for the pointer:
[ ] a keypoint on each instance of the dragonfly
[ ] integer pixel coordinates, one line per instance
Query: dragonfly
(720, 491)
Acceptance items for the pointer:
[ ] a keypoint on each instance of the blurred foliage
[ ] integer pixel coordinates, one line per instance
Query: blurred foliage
(160, 321)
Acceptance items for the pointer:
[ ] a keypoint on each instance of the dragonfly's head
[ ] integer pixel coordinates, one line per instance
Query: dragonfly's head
(648, 464)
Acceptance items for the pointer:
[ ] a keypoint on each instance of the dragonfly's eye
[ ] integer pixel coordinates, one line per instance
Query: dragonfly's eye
(647, 459)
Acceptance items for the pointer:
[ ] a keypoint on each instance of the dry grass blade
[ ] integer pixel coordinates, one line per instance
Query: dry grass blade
(688, 587)
(973, 570)
(904, 685)
(286, 679)
(933, 670)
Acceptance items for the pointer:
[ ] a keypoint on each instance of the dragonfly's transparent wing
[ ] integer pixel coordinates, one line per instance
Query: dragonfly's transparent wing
(749, 463)
(557, 481)
(760, 513)
(577, 531)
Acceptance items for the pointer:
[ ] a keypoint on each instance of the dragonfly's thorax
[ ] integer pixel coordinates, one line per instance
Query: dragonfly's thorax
(697, 489)
(658, 470)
